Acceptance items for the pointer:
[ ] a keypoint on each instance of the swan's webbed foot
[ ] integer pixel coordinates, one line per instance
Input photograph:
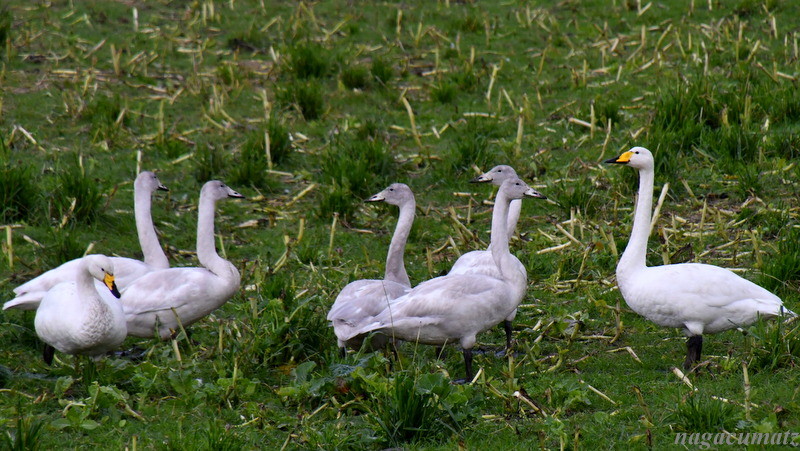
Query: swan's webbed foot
(135, 354)
(694, 348)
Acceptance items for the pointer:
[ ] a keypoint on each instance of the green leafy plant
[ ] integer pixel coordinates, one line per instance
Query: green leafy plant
(19, 194)
(412, 407)
(307, 61)
(474, 146)
(781, 271)
(105, 114)
(699, 412)
(290, 329)
(306, 96)
(210, 162)
(26, 435)
(78, 196)
(6, 19)
(230, 74)
(254, 157)
(774, 345)
(218, 438)
(381, 70)
(353, 169)
(443, 92)
(355, 77)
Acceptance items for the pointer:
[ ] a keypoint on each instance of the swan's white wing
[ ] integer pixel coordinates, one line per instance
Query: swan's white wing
(700, 298)
(360, 301)
(482, 262)
(445, 309)
(126, 270)
(64, 273)
(364, 298)
(167, 289)
(30, 294)
(193, 293)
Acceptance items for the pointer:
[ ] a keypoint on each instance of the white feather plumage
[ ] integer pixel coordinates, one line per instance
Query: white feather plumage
(697, 298)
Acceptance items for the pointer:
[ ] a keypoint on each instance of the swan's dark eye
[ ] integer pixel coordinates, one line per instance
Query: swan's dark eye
(499, 170)
(637, 152)
(391, 189)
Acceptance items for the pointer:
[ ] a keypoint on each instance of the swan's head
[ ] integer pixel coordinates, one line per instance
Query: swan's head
(497, 175)
(218, 190)
(394, 194)
(101, 268)
(515, 188)
(638, 157)
(148, 182)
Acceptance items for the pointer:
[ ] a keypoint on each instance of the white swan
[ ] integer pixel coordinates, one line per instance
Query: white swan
(481, 262)
(694, 297)
(151, 302)
(366, 298)
(29, 294)
(75, 319)
(460, 306)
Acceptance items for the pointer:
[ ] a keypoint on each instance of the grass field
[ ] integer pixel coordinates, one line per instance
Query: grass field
(307, 108)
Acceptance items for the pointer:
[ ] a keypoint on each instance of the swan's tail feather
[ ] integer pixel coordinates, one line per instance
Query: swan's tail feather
(347, 332)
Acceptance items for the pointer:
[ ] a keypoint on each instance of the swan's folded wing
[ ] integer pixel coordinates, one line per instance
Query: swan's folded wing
(67, 272)
(127, 270)
(364, 298)
(444, 295)
(457, 301)
(700, 284)
(29, 294)
(166, 289)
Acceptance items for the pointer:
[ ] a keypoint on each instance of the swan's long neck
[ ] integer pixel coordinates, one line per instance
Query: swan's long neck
(206, 249)
(634, 256)
(85, 285)
(395, 267)
(499, 240)
(92, 306)
(148, 239)
(513, 216)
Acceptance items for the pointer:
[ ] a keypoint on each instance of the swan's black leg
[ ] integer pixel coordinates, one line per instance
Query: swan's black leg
(342, 352)
(48, 354)
(694, 347)
(507, 327)
(468, 364)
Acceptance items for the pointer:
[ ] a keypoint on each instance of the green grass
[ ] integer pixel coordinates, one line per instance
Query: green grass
(193, 90)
